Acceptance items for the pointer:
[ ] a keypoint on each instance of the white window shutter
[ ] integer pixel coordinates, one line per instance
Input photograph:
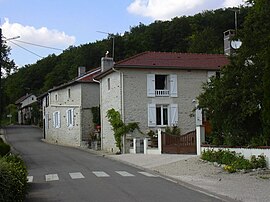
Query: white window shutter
(59, 120)
(173, 85)
(174, 114)
(54, 120)
(67, 111)
(72, 117)
(151, 115)
(151, 85)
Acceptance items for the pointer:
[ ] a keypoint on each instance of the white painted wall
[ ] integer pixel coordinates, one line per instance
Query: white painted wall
(246, 152)
(110, 98)
(83, 96)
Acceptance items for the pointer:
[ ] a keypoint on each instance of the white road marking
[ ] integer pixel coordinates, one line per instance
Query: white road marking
(30, 179)
(100, 174)
(148, 174)
(51, 177)
(77, 175)
(124, 174)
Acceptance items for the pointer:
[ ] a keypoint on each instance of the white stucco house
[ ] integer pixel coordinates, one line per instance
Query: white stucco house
(24, 105)
(155, 89)
(67, 116)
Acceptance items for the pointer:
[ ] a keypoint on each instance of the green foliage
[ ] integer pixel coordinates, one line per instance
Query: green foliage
(119, 127)
(13, 179)
(238, 102)
(174, 130)
(233, 161)
(96, 115)
(258, 162)
(4, 148)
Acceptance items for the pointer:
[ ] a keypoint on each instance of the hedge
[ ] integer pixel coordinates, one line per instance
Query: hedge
(13, 179)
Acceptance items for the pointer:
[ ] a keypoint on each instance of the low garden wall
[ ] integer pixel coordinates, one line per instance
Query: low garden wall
(246, 152)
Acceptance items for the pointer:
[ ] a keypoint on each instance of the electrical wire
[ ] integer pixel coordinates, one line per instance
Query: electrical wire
(39, 45)
(26, 49)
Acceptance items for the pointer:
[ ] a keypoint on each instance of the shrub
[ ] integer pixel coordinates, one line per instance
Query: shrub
(13, 179)
(4, 149)
(259, 162)
(233, 161)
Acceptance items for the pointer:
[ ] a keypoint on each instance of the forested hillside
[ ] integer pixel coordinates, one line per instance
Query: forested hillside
(201, 33)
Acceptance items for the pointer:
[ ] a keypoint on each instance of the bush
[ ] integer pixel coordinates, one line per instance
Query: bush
(13, 179)
(4, 149)
(259, 162)
(233, 161)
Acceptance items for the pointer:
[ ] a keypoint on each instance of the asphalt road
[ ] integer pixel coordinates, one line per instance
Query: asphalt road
(58, 173)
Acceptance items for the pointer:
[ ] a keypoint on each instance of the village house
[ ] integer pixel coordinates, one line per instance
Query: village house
(67, 115)
(25, 107)
(154, 89)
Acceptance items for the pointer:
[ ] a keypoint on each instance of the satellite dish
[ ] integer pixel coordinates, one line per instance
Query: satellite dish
(236, 44)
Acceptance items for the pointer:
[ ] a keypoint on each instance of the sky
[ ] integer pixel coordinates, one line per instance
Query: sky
(62, 23)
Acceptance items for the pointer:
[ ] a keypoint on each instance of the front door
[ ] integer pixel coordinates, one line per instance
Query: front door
(139, 146)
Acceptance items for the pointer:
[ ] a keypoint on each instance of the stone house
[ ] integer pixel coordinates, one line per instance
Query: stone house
(155, 89)
(24, 105)
(67, 115)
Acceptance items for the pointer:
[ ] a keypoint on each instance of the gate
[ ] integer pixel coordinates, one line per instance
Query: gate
(184, 144)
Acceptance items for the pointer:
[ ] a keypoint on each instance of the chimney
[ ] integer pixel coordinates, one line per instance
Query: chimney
(228, 35)
(81, 71)
(106, 63)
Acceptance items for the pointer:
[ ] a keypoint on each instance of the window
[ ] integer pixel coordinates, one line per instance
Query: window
(56, 119)
(56, 97)
(69, 95)
(70, 117)
(161, 85)
(109, 84)
(162, 115)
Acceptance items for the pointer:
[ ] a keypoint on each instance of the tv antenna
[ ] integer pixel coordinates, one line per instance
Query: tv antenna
(112, 36)
(235, 10)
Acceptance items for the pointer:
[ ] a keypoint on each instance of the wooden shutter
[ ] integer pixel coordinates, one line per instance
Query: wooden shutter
(173, 114)
(173, 85)
(67, 115)
(59, 120)
(54, 125)
(151, 85)
(151, 115)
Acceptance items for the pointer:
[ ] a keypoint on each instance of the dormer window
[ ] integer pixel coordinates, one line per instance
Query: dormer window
(159, 85)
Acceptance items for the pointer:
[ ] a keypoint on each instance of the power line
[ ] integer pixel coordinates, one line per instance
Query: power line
(39, 45)
(26, 49)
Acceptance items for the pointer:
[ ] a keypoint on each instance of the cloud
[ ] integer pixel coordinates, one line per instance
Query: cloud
(162, 9)
(41, 36)
(167, 9)
(233, 3)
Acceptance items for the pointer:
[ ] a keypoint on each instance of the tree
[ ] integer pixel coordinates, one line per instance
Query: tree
(238, 103)
(6, 65)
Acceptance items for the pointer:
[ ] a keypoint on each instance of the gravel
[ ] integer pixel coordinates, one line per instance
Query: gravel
(250, 187)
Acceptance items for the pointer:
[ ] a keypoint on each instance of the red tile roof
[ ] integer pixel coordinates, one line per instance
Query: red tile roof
(175, 60)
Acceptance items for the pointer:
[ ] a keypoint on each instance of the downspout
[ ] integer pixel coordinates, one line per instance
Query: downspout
(101, 119)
